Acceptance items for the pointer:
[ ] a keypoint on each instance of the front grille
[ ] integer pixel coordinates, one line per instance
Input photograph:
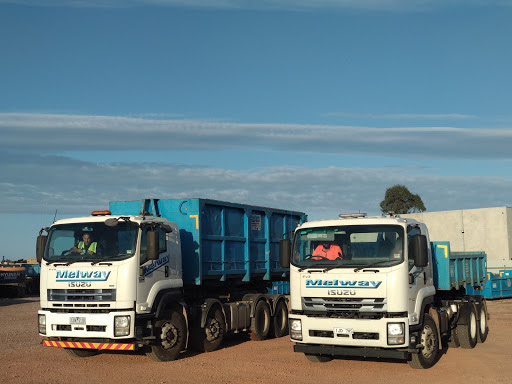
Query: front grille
(355, 335)
(88, 328)
(339, 304)
(82, 295)
(96, 328)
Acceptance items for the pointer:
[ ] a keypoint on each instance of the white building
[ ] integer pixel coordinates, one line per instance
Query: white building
(471, 230)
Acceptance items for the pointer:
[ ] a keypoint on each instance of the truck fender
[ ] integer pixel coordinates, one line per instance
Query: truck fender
(205, 308)
(435, 315)
(425, 307)
(274, 300)
(169, 300)
(254, 298)
(464, 320)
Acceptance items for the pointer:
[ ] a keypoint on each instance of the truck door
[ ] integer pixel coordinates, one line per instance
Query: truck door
(166, 267)
(420, 279)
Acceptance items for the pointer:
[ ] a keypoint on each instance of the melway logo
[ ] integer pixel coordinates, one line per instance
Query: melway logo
(319, 283)
(78, 275)
(156, 264)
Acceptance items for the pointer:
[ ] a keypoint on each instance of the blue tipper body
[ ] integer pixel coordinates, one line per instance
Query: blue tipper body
(454, 270)
(220, 240)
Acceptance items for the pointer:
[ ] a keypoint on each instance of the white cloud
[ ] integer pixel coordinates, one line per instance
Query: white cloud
(58, 133)
(28, 183)
(405, 116)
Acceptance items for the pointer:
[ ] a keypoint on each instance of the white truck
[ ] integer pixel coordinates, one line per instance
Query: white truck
(161, 276)
(376, 287)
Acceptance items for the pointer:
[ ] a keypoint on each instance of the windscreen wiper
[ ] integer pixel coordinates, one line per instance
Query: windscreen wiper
(101, 262)
(371, 266)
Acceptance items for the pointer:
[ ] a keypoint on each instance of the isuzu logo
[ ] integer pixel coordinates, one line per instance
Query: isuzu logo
(320, 283)
(78, 275)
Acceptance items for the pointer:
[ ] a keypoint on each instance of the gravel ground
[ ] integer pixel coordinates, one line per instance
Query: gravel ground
(24, 360)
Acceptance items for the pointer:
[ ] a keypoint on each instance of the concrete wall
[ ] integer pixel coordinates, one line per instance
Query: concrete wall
(485, 229)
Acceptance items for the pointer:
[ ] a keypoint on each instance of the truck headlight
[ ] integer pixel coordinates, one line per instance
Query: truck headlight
(41, 319)
(295, 329)
(121, 325)
(396, 333)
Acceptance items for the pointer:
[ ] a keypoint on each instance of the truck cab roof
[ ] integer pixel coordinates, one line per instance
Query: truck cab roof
(372, 220)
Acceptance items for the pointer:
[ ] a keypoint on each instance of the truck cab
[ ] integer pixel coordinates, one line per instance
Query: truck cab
(98, 272)
(375, 297)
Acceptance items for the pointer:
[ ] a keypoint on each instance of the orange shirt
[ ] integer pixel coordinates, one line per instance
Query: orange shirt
(332, 253)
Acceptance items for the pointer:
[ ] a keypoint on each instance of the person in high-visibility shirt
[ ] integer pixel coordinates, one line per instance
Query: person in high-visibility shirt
(86, 245)
(328, 251)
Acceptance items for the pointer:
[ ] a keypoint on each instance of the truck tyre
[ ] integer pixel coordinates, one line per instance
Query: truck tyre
(318, 358)
(483, 328)
(260, 323)
(453, 341)
(209, 338)
(467, 333)
(170, 338)
(280, 320)
(429, 346)
(79, 352)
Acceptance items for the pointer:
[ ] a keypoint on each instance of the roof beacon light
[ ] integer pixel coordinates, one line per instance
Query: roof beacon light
(101, 213)
(352, 215)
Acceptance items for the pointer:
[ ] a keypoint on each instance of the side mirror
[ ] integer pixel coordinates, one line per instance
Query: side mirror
(40, 246)
(152, 251)
(285, 252)
(418, 249)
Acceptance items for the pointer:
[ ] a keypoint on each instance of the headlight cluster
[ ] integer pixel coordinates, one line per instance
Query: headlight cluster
(396, 333)
(42, 324)
(121, 325)
(295, 329)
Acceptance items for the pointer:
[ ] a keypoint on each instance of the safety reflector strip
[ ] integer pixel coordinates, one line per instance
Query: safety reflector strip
(69, 344)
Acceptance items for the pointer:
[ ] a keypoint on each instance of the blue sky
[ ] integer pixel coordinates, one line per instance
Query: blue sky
(317, 106)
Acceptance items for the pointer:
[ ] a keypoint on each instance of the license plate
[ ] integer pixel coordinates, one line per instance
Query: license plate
(77, 320)
(343, 331)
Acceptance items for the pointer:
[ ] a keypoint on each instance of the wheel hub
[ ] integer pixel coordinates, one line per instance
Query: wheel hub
(169, 336)
(428, 342)
(212, 329)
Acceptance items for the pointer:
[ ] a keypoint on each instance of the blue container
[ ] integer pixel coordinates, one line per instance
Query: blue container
(220, 240)
(280, 287)
(457, 269)
(498, 286)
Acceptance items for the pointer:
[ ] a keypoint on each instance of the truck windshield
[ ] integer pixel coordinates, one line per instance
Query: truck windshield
(349, 246)
(91, 242)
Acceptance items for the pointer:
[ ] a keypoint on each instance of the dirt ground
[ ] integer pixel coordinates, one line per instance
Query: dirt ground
(24, 360)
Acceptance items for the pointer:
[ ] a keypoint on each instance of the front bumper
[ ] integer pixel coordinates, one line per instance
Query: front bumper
(331, 350)
(360, 333)
(93, 326)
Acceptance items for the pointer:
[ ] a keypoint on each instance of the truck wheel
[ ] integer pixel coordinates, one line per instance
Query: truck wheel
(78, 352)
(467, 333)
(280, 320)
(453, 341)
(170, 338)
(260, 323)
(429, 346)
(483, 329)
(209, 338)
(318, 358)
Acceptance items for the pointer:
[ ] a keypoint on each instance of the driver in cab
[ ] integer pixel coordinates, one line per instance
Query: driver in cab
(327, 250)
(85, 246)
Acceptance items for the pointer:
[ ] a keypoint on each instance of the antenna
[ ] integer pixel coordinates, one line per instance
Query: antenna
(55, 216)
